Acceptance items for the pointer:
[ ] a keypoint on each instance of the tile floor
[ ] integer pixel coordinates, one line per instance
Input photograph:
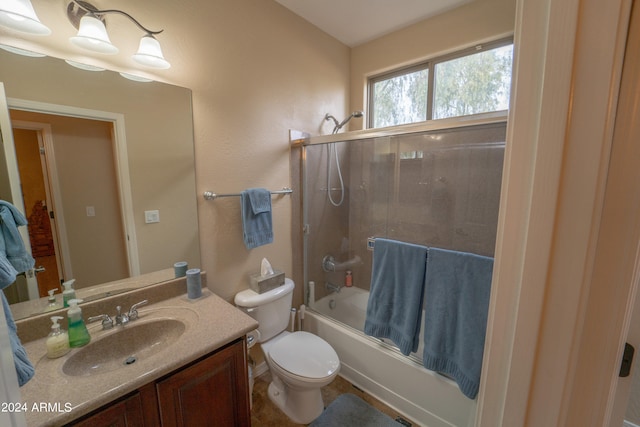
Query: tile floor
(265, 414)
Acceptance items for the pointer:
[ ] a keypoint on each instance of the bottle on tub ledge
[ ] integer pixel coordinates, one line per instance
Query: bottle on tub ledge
(348, 279)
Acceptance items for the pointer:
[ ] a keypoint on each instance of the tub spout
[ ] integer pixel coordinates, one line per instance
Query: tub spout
(331, 287)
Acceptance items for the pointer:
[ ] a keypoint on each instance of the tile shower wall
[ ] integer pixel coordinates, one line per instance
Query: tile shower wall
(437, 189)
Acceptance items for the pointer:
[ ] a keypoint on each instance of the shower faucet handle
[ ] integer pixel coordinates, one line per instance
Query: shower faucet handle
(328, 263)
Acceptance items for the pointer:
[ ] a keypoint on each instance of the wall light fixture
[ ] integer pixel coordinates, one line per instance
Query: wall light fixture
(92, 34)
(19, 15)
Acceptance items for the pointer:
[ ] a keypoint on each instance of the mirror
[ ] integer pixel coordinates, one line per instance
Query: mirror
(152, 129)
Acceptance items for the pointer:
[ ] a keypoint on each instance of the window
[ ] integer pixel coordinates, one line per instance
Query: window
(473, 81)
(400, 99)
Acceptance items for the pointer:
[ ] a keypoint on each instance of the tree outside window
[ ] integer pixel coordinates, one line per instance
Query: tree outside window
(478, 81)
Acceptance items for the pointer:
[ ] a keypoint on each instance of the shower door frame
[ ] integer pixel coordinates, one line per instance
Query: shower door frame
(496, 117)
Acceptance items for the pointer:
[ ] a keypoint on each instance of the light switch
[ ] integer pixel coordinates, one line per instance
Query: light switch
(91, 211)
(151, 216)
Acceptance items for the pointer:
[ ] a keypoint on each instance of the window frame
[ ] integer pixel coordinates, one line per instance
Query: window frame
(429, 65)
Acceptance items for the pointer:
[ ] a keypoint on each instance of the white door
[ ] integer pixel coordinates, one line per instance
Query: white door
(10, 189)
(626, 406)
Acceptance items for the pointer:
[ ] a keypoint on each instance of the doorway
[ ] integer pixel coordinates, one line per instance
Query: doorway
(34, 179)
(78, 165)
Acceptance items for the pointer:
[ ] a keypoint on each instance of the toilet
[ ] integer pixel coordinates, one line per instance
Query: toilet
(301, 363)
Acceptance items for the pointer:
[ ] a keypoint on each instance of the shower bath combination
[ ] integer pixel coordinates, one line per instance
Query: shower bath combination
(331, 148)
(449, 196)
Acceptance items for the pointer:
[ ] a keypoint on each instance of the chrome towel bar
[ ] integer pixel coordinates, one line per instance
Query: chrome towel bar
(210, 195)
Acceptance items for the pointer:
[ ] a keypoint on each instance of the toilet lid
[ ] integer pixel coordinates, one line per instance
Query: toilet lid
(305, 355)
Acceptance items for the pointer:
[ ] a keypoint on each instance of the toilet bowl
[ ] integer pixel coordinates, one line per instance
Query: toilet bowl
(300, 363)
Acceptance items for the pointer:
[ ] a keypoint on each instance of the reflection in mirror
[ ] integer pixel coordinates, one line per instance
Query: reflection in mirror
(138, 135)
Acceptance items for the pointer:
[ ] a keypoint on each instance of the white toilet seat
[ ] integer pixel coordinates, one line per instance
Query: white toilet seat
(305, 355)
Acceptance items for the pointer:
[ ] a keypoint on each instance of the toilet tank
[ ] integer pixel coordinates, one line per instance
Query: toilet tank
(272, 309)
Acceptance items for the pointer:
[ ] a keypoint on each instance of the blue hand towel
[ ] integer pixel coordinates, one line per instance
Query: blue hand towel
(457, 290)
(260, 200)
(11, 244)
(394, 309)
(24, 368)
(257, 228)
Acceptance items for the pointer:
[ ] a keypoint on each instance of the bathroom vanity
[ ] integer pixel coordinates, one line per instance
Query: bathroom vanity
(212, 391)
(182, 362)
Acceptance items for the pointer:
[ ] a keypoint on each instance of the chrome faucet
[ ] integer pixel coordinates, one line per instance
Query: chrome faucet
(121, 318)
(331, 287)
(133, 311)
(107, 322)
(124, 318)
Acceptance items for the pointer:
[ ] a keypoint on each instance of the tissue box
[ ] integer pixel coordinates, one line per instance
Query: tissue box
(261, 284)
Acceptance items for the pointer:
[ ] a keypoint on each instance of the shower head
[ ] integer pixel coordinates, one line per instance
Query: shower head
(338, 126)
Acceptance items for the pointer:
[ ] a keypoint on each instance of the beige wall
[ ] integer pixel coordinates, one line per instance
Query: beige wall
(265, 71)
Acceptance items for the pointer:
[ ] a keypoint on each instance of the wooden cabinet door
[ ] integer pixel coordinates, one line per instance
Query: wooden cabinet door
(212, 392)
(125, 413)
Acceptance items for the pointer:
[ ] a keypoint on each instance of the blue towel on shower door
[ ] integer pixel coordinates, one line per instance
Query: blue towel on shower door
(257, 228)
(457, 290)
(394, 309)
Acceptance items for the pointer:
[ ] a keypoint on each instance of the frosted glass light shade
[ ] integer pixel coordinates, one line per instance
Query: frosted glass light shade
(22, 52)
(19, 15)
(82, 66)
(135, 78)
(150, 54)
(92, 35)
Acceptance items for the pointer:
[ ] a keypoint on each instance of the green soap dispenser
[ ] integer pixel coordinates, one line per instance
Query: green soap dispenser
(78, 333)
(68, 293)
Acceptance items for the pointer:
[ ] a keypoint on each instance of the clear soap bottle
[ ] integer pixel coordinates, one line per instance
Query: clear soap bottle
(78, 333)
(52, 304)
(58, 340)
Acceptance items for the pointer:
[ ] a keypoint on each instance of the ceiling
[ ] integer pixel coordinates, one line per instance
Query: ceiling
(354, 22)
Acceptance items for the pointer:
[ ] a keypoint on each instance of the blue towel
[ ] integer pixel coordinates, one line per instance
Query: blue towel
(24, 368)
(257, 228)
(11, 244)
(457, 290)
(394, 309)
(8, 272)
(260, 200)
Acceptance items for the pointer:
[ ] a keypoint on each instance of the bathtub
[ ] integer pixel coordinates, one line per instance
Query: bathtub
(381, 370)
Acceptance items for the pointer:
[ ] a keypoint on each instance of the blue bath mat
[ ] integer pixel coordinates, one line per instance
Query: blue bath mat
(349, 410)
